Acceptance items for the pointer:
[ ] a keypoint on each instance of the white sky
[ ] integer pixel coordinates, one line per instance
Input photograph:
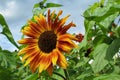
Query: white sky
(17, 12)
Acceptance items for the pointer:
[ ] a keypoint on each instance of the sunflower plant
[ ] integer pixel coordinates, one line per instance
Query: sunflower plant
(48, 52)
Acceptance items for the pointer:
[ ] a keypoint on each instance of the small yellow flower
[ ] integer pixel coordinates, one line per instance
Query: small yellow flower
(47, 40)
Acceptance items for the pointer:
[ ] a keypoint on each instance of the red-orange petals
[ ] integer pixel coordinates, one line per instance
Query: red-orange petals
(79, 37)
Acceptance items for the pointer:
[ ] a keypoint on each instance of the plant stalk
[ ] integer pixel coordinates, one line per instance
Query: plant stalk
(66, 75)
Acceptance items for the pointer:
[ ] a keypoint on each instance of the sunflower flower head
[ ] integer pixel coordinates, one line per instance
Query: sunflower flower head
(47, 39)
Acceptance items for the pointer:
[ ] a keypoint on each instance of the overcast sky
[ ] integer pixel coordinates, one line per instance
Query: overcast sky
(17, 12)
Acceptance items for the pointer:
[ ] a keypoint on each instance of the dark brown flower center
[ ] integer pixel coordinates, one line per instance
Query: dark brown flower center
(47, 41)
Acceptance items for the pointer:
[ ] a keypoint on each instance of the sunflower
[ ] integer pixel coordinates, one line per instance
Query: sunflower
(46, 40)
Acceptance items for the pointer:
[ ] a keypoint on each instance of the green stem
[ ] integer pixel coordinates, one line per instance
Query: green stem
(66, 75)
(59, 75)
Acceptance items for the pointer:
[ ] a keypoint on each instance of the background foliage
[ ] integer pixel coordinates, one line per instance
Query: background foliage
(98, 56)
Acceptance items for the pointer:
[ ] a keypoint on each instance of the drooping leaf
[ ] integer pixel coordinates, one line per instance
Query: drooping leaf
(99, 57)
(6, 31)
(112, 49)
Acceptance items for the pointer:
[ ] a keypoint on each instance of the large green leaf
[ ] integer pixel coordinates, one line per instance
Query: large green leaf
(108, 77)
(99, 54)
(6, 31)
(112, 49)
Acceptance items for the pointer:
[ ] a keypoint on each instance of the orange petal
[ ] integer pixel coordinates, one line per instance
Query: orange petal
(35, 63)
(27, 49)
(27, 41)
(53, 14)
(54, 56)
(64, 47)
(49, 70)
(30, 59)
(41, 21)
(66, 27)
(67, 36)
(35, 26)
(61, 23)
(44, 63)
(56, 21)
(30, 34)
(49, 19)
(62, 61)
(67, 41)
(30, 53)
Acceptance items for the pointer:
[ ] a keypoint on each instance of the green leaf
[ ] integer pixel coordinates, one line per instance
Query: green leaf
(84, 75)
(82, 62)
(6, 31)
(108, 77)
(118, 31)
(107, 21)
(53, 5)
(88, 27)
(101, 39)
(99, 54)
(32, 77)
(7, 59)
(40, 4)
(36, 5)
(5, 74)
(112, 49)
(96, 10)
(39, 11)
(56, 76)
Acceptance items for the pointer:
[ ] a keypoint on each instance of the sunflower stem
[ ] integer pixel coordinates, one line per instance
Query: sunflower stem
(66, 74)
(60, 75)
